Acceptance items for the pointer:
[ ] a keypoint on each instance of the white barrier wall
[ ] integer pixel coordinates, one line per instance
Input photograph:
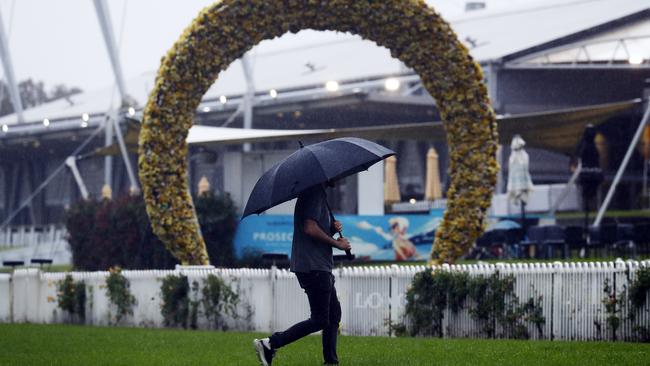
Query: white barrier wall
(20, 236)
(5, 296)
(542, 199)
(271, 300)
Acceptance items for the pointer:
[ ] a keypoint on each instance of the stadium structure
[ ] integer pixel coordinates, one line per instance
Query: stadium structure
(551, 69)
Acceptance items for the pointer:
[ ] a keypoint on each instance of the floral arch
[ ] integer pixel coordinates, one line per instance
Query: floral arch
(413, 32)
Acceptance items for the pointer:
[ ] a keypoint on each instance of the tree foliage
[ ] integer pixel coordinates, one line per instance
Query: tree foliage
(33, 93)
(105, 234)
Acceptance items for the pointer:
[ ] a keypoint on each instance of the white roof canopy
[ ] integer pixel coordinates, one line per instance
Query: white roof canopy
(225, 135)
(627, 44)
(554, 130)
(282, 63)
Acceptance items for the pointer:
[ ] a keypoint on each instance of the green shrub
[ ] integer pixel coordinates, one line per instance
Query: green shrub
(640, 287)
(71, 298)
(218, 299)
(117, 291)
(218, 220)
(427, 298)
(494, 303)
(635, 294)
(181, 303)
(194, 305)
(612, 307)
(534, 313)
(175, 306)
(80, 224)
(638, 294)
(104, 234)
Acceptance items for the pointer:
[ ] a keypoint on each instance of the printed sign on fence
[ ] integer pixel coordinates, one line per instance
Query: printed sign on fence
(379, 238)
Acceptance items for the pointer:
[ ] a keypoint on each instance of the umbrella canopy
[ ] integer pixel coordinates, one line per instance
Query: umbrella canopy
(391, 185)
(311, 165)
(519, 182)
(433, 189)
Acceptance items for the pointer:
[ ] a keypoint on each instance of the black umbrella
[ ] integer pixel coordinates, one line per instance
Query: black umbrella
(312, 165)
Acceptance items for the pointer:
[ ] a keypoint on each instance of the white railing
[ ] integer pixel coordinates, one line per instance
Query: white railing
(543, 198)
(271, 300)
(29, 236)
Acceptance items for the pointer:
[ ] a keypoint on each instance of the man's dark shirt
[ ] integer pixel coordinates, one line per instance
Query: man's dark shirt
(308, 254)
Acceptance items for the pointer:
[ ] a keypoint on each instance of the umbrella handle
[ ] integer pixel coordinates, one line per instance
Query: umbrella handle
(348, 253)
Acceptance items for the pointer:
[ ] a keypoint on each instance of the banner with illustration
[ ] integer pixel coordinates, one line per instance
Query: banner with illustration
(377, 238)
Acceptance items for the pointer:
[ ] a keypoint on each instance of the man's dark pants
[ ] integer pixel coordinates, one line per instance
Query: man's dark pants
(325, 314)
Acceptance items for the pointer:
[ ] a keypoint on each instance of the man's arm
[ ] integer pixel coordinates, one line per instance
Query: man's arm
(311, 228)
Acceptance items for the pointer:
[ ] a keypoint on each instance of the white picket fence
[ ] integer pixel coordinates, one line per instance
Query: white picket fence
(370, 297)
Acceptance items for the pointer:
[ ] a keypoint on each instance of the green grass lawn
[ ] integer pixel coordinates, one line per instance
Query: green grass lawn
(46, 268)
(76, 345)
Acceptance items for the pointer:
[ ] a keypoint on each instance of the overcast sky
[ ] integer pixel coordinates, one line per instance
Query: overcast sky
(61, 42)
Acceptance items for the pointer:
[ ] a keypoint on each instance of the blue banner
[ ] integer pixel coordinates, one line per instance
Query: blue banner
(377, 238)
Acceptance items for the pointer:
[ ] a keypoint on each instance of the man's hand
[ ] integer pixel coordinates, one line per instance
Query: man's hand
(311, 228)
(343, 244)
(337, 226)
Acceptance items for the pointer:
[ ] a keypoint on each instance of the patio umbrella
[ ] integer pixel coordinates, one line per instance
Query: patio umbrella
(312, 165)
(204, 186)
(433, 189)
(519, 182)
(391, 185)
(107, 192)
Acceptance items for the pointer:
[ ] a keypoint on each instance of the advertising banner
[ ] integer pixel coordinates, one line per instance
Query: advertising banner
(377, 238)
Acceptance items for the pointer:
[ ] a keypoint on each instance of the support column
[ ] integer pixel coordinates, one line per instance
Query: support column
(493, 85)
(371, 190)
(104, 17)
(233, 181)
(71, 162)
(108, 159)
(135, 187)
(249, 97)
(500, 181)
(621, 169)
(8, 67)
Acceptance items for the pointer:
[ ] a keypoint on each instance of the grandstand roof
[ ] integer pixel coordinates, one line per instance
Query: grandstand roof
(556, 130)
(491, 35)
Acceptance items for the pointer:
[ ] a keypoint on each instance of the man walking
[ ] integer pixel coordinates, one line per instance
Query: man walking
(311, 261)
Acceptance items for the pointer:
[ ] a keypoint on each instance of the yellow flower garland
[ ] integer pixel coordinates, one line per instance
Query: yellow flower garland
(224, 31)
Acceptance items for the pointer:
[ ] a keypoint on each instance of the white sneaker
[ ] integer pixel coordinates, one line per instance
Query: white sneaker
(264, 352)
